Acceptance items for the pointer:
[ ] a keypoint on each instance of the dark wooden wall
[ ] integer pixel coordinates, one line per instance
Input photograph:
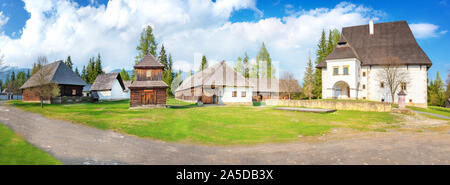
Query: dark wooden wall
(142, 74)
(66, 90)
(31, 94)
(135, 96)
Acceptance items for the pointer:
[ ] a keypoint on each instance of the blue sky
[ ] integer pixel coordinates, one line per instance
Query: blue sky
(231, 16)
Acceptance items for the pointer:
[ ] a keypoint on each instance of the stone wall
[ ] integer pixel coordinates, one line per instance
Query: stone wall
(330, 104)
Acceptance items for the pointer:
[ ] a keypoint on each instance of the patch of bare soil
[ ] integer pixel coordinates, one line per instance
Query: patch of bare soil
(420, 121)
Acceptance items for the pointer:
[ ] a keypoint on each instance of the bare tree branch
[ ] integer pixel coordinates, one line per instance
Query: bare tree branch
(46, 90)
(392, 75)
(289, 84)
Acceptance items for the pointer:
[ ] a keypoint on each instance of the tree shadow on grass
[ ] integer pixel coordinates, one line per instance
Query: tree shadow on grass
(182, 106)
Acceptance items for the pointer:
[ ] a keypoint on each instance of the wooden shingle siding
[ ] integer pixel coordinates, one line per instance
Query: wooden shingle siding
(141, 74)
(30, 94)
(148, 90)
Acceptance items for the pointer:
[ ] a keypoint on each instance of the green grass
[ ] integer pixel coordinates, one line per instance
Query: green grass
(220, 125)
(433, 109)
(14, 150)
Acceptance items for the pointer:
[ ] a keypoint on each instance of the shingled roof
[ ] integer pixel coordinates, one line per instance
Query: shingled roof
(105, 82)
(275, 85)
(219, 74)
(149, 61)
(56, 72)
(390, 39)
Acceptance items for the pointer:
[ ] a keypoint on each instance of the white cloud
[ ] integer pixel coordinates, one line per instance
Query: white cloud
(57, 28)
(426, 30)
(3, 19)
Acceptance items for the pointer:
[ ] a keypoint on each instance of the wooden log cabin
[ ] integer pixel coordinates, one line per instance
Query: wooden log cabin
(148, 89)
(69, 83)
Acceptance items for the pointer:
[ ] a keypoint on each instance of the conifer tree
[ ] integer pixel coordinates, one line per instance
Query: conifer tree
(69, 63)
(246, 66)
(124, 75)
(308, 84)
(263, 63)
(239, 66)
(320, 55)
(147, 44)
(84, 74)
(204, 63)
(77, 72)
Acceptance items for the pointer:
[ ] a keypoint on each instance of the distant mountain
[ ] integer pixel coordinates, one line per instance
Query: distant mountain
(6, 71)
(130, 72)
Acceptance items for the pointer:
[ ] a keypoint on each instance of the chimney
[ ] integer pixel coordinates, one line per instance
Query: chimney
(371, 27)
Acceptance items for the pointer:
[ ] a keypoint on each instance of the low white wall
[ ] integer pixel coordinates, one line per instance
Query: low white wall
(227, 95)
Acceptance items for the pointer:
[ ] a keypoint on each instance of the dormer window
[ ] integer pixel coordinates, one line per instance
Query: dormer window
(342, 43)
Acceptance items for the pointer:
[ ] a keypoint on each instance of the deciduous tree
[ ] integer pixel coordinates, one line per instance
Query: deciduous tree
(392, 75)
(45, 90)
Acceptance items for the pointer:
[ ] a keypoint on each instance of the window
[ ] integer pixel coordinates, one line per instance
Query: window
(359, 71)
(345, 70)
(234, 93)
(74, 92)
(149, 73)
(364, 74)
(335, 71)
(243, 94)
(403, 86)
(364, 86)
(382, 84)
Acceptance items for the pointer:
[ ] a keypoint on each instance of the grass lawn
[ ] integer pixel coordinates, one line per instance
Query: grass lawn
(15, 150)
(433, 109)
(222, 125)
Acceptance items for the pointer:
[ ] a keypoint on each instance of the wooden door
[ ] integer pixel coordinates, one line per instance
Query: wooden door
(148, 97)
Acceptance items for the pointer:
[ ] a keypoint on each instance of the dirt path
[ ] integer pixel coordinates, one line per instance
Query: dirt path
(436, 115)
(78, 144)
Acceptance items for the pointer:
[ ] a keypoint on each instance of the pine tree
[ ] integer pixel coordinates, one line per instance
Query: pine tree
(28, 74)
(124, 75)
(21, 78)
(320, 55)
(163, 57)
(98, 66)
(308, 85)
(204, 63)
(77, 72)
(90, 71)
(246, 66)
(13, 76)
(437, 94)
(84, 75)
(168, 76)
(147, 44)
(239, 66)
(447, 92)
(264, 63)
(69, 63)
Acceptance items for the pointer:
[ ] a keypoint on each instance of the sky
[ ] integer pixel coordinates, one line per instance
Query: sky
(219, 29)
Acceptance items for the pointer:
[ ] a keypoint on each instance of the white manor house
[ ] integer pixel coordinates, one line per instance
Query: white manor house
(352, 70)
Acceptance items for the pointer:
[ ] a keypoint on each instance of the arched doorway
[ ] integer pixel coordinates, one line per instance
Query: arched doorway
(341, 90)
